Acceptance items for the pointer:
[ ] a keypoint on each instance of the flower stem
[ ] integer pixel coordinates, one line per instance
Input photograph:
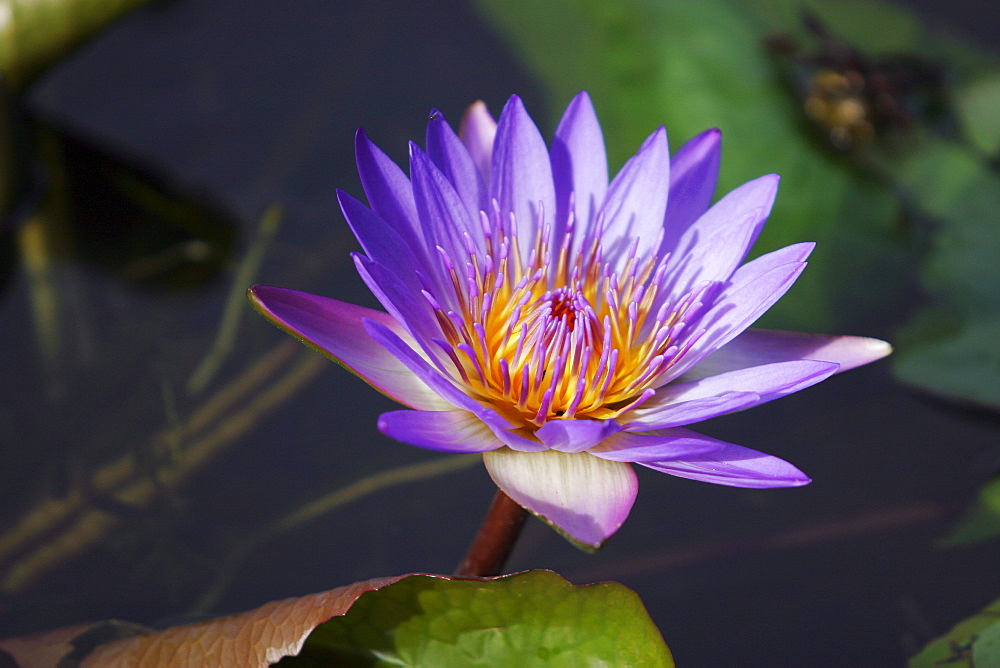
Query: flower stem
(495, 540)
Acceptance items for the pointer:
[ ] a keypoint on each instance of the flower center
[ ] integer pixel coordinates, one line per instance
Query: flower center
(556, 334)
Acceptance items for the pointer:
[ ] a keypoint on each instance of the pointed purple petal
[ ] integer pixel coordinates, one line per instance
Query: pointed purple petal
(637, 200)
(386, 186)
(694, 171)
(734, 466)
(579, 166)
(445, 431)
(477, 131)
(575, 435)
(443, 216)
(522, 174)
(682, 403)
(335, 329)
(761, 346)
(795, 253)
(382, 242)
(738, 306)
(408, 308)
(583, 497)
(717, 242)
(658, 446)
(664, 414)
(452, 157)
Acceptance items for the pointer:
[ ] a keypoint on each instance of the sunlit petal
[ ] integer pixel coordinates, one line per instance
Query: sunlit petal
(579, 166)
(734, 466)
(584, 497)
(763, 346)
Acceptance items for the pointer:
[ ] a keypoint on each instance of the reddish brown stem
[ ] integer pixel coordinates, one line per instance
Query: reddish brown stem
(497, 535)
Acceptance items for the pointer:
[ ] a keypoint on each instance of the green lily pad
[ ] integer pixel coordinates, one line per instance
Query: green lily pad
(973, 643)
(530, 618)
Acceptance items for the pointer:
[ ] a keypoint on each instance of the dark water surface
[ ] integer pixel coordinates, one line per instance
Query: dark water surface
(253, 103)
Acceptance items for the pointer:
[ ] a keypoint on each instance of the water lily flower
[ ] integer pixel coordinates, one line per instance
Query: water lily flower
(564, 326)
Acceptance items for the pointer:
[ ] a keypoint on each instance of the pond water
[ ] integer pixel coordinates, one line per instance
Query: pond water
(246, 106)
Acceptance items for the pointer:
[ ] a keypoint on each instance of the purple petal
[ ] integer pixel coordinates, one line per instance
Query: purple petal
(738, 306)
(579, 166)
(762, 346)
(637, 200)
(658, 446)
(717, 242)
(408, 308)
(583, 497)
(433, 378)
(384, 243)
(685, 402)
(734, 466)
(444, 217)
(386, 186)
(445, 431)
(694, 171)
(522, 174)
(477, 131)
(795, 253)
(335, 329)
(451, 156)
(664, 414)
(575, 435)
(446, 388)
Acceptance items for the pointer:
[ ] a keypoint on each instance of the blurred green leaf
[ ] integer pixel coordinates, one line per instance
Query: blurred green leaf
(982, 521)
(950, 350)
(531, 618)
(36, 33)
(977, 104)
(973, 643)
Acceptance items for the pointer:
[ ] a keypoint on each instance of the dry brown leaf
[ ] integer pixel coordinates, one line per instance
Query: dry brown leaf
(255, 638)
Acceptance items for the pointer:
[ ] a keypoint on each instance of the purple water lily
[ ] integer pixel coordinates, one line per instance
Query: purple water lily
(564, 326)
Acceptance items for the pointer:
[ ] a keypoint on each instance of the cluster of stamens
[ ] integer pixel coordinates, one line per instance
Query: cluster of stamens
(559, 334)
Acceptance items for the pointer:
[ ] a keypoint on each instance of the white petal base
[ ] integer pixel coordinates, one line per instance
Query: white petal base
(583, 497)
